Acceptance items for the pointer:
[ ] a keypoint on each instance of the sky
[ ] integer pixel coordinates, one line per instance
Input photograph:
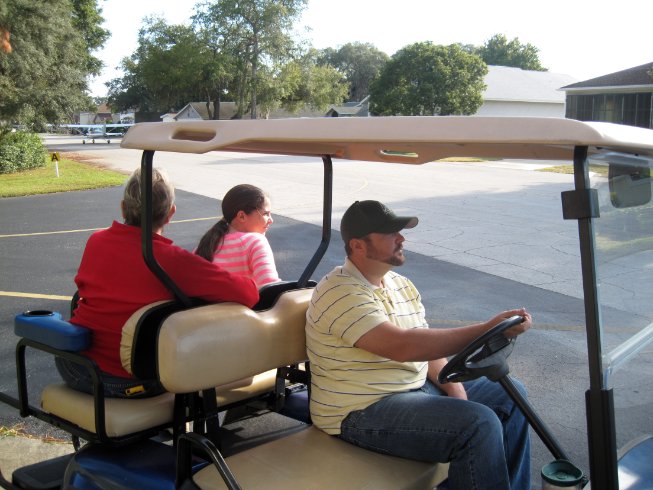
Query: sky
(580, 38)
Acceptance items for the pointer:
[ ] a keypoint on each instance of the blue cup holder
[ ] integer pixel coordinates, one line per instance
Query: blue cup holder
(39, 313)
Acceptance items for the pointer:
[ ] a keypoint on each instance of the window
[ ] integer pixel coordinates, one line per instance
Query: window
(631, 109)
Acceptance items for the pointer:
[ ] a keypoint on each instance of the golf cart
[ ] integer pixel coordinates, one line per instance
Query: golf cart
(209, 357)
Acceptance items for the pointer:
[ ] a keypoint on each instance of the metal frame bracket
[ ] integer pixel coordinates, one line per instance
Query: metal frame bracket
(580, 204)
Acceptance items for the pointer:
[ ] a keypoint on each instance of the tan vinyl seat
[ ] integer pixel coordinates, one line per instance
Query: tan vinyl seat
(228, 342)
(128, 416)
(122, 416)
(311, 459)
(125, 416)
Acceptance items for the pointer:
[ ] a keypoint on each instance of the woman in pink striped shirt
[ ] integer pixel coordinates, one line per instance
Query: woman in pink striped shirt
(237, 241)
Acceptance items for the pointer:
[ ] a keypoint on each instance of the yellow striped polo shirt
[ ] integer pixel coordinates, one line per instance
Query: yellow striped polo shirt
(344, 378)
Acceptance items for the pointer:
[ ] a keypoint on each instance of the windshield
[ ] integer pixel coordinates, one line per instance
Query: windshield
(623, 237)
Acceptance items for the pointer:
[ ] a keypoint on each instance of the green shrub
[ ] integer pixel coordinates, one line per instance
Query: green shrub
(21, 151)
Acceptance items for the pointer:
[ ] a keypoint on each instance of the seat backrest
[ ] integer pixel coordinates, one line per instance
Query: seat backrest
(217, 344)
(139, 337)
(269, 293)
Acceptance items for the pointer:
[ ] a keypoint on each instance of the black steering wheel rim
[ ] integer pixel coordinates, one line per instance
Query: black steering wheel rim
(484, 356)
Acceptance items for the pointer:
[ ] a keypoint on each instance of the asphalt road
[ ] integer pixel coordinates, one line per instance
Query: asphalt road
(492, 238)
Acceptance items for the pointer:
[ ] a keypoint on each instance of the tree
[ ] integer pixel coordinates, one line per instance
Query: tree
(87, 19)
(160, 74)
(499, 51)
(255, 32)
(423, 79)
(44, 76)
(301, 82)
(194, 66)
(360, 63)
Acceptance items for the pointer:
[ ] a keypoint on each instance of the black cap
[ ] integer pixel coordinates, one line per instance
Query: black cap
(365, 217)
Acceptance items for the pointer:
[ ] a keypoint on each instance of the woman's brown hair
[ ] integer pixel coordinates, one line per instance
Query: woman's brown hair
(243, 197)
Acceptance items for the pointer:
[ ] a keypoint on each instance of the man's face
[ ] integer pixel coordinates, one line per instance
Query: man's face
(385, 247)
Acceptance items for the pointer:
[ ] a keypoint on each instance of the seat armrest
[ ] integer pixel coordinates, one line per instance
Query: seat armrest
(48, 327)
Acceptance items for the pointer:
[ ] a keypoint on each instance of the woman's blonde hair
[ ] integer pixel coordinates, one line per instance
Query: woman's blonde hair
(163, 198)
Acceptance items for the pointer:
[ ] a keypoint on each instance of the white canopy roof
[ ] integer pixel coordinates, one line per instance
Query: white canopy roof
(394, 139)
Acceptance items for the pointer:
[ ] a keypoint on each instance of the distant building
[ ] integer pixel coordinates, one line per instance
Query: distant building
(103, 115)
(510, 92)
(198, 110)
(168, 117)
(623, 97)
(351, 109)
(516, 92)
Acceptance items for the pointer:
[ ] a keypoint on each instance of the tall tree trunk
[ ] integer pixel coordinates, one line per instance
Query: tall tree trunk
(208, 106)
(254, 78)
(216, 106)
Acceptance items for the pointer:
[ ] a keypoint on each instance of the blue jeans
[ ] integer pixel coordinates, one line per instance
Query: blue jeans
(486, 439)
(78, 378)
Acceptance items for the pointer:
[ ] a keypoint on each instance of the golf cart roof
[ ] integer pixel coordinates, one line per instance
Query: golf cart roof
(412, 140)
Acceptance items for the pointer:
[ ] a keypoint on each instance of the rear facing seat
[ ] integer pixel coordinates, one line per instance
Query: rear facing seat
(124, 417)
(226, 342)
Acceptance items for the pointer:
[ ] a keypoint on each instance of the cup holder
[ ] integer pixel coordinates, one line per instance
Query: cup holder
(38, 313)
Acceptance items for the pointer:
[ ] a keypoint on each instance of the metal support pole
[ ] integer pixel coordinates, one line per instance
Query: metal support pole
(599, 405)
(146, 230)
(326, 223)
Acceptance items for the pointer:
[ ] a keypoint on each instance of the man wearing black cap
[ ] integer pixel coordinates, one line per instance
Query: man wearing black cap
(375, 362)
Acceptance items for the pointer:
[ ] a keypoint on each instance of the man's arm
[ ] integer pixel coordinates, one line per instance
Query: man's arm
(454, 390)
(428, 344)
(198, 277)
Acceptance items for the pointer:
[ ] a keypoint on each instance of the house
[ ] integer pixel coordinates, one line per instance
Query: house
(351, 109)
(515, 92)
(623, 97)
(509, 92)
(103, 115)
(305, 111)
(168, 117)
(198, 110)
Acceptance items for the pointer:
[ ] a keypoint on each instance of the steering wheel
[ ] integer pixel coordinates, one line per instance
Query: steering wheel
(484, 356)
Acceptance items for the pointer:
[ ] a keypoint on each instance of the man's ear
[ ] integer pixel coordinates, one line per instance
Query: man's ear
(173, 210)
(357, 244)
(122, 209)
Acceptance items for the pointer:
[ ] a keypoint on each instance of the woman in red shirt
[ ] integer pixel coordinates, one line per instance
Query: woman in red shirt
(113, 282)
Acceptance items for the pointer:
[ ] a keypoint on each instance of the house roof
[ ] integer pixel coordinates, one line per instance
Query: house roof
(305, 111)
(103, 109)
(199, 110)
(638, 75)
(350, 108)
(508, 83)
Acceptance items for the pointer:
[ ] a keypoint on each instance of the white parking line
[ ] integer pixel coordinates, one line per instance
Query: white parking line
(55, 297)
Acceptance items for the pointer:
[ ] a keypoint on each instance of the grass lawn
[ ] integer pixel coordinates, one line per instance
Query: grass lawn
(569, 169)
(73, 176)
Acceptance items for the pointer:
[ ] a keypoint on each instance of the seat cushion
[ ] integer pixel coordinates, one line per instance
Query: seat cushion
(311, 459)
(246, 388)
(123, 416)
(127, 416)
